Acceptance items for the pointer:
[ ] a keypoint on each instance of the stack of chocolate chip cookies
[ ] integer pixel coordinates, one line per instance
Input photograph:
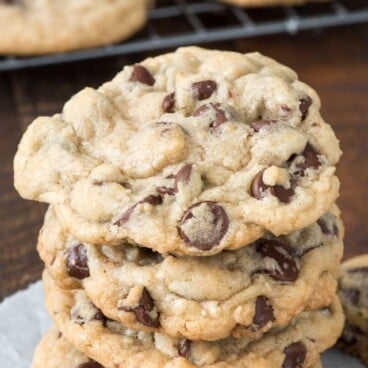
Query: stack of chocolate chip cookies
(192, 220)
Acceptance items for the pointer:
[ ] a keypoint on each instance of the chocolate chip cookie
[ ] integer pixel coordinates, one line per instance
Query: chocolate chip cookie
(55, 351)
(353, 292)
(192, 152)
(112, 345)
(48, 26)
(259, 3)
(241, 293)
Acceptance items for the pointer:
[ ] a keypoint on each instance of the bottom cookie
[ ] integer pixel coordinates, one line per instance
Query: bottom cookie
(112, 345)
(55, 351)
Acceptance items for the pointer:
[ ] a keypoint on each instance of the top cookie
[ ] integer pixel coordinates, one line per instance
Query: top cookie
(46, 26)
(191, 152)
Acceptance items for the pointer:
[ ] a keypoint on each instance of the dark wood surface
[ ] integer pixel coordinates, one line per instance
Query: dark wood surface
(334, 62)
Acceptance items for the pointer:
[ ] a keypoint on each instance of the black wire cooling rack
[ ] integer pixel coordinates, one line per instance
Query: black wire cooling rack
(175, 23)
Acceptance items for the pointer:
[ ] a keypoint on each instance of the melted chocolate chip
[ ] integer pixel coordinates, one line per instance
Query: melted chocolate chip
(149, 256)
(77, 262)
(325, 229)
(182, 176)
(350, 294)
(89, 365)
(99, 316)
(142, 75)
(219, 114)
(185, 348)
(153, 200)
(263, 313)
(287, 270)
(258, 188)
(204, 89)
(145, 305)
(260, 124)
(294, 355)
(7, 2)
(311, 159)
(211, 235)
(166, 190)
(304, 105)
(168, 103)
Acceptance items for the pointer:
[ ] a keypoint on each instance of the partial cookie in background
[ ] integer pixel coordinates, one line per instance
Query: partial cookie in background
(112, 345)
(55, 351)
(191, 152)
(50, 26)
(353, 292)
(261, 3)
(241, 293)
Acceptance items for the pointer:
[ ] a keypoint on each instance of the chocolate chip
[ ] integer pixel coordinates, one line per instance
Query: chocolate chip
(149, 256)
(182, 176)
(185, 348)
(350, 294)
(304, 104)
(145, 305)
(209, 234)
(153, 200)
(263, 313)
(260, 124)
(258, 188)
(89, 365)
(7, 2)
(166, 190)
(311, 159)
(323, 225)
(168, 103)
(99, 316)
(77, 262)
(142, 75)
(295, 354)
(204, 89)
(218, 112)
(287, 270)
(326, 229)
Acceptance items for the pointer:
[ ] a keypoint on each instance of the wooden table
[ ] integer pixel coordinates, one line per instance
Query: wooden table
(334, 62)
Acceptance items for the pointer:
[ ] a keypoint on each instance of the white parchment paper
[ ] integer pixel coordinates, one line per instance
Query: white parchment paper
(23, 320)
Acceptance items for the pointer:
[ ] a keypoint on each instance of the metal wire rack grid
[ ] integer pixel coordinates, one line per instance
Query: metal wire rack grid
(195, 22)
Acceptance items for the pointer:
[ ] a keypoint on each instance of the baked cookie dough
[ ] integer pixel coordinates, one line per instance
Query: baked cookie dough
(55, 351)
(112, 345)
(353, 292)
(50, 26)
(191, 152)
(241, 293)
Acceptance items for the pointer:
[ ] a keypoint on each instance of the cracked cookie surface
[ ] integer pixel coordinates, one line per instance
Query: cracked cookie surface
(48, 26)
(241, 293)
(113, 345)
(181, 154)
